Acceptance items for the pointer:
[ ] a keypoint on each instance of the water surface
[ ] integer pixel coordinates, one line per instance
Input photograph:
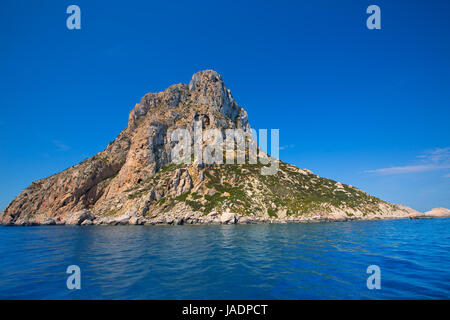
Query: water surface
(294, 261)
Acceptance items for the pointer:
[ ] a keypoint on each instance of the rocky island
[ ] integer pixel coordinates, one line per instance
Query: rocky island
(134, 181)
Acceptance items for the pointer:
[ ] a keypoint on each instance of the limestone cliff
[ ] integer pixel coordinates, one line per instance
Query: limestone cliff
(133, 181)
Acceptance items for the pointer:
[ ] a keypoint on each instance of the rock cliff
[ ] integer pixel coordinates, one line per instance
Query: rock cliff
(133, 181)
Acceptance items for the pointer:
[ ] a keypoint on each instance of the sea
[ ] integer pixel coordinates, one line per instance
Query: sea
(388, 259)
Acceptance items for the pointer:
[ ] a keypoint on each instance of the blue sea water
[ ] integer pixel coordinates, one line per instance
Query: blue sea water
(288, 261)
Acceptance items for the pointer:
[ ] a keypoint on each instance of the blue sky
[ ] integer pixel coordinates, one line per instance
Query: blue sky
(365, 107)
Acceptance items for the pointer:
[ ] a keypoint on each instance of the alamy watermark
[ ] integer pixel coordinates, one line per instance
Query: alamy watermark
(74, 20)
(211, 146)
(374, 280)
(374, 20)
(74, 280)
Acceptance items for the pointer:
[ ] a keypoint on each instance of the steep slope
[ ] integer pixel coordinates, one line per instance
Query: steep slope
(134, 181)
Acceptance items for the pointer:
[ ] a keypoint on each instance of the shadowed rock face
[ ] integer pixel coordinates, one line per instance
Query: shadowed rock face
(132, 181)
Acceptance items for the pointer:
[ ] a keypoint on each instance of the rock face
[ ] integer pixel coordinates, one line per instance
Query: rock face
(134, 182)
(438, 213)
(228, 218)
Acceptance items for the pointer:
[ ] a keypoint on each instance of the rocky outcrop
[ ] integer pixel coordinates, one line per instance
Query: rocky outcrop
(433, 213)
(228, 218)
(438, 213)
(80, 217)
(133, 181)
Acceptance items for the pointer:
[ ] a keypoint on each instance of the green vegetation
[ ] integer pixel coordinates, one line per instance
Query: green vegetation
(135, 195)
(182, 197)
(272, 213)
(195, 196)
(111, 212)
(170, 167)
(242, 189)
(196, 206)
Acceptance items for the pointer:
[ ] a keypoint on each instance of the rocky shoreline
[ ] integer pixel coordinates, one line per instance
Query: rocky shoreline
(85, 217)
(185, 217)
(181, 222)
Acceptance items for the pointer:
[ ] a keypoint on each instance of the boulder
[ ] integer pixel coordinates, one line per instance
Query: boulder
(79, 217)
(122, 220)
(228, 218)
(135, 221)
(49, 222)
(243, 220)
(178, 222)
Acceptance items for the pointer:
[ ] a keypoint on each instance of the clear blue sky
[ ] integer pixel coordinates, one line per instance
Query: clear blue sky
(365, 107)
